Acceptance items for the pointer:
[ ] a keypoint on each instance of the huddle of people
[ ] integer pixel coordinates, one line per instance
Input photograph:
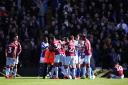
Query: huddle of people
(66, 58)
(70, 58)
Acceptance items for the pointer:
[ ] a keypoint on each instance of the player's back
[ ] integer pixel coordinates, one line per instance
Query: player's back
(57, 46)
(88, 49)
(18, 46)
(11, 48)
(71, 48)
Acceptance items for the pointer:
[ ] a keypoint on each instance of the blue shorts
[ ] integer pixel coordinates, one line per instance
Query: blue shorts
(70, 60)
(57, 58)
(10, 61)
(87, 59)
(62, 59)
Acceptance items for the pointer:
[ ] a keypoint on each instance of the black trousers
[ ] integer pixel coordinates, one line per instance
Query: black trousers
(44, 69)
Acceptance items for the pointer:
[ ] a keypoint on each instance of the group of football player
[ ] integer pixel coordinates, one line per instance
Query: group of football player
(68, 58)
(71, 57)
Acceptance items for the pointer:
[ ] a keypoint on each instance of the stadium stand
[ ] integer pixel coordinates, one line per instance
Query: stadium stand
(104, 21)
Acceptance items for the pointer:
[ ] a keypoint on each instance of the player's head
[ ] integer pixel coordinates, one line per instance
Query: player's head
(13, 37)
(16, 36)
(53, 38)
(71, 37)
(62, 46)
(63, 38)
(84, 36)
(77, 37)
(45, 39)
(116, 64)
(66, 39)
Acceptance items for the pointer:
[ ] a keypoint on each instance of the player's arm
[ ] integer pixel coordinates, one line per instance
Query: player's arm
(14, 52)
(88, 46)
(20, 49)
(5, 52)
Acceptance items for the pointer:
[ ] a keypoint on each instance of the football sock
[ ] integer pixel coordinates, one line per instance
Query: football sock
(7, 71)
(15, 72)
(89, 72)
(73, 72)
(78, 72)
(56, 71)
(67, 71)
(52, 72)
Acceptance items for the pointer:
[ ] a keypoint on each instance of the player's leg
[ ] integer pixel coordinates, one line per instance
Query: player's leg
(56, 70)
(7, 67)
(66, 66)
(12, 65)
(56, 65)
(88, 58)
(15, 67)
(92, 73)
(84, 68)
(73, 64)
(52, 71)
(78, 70)
(62, 64)
(15, 71)
(114, 76)
(7, 71)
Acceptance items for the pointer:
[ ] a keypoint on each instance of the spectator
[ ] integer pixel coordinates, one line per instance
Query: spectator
(42, 5)
(114, 57)
(122, 25)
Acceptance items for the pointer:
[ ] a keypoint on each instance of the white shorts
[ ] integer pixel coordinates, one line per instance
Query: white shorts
(57, 58)
(10, 61)
(87, 59)
(78, 59)
(70, 60)
(42, 59)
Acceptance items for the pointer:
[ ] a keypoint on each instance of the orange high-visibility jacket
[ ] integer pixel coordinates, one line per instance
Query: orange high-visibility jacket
(49, 57)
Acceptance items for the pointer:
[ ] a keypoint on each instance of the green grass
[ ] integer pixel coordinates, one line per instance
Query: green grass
(36, 81)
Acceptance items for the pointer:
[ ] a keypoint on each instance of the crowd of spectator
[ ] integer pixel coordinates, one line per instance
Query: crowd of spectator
(104, 21)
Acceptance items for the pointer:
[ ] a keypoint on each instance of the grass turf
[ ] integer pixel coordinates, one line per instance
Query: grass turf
(36, 81)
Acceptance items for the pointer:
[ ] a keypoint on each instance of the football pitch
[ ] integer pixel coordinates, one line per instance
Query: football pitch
(36, 81)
